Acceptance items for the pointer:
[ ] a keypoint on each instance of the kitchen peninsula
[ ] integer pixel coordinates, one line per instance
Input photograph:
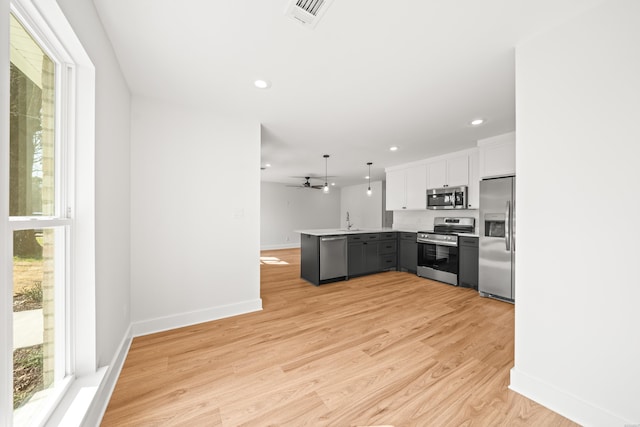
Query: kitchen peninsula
(329, 255)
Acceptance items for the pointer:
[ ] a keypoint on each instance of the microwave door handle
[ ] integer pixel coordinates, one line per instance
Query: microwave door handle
(507, 240)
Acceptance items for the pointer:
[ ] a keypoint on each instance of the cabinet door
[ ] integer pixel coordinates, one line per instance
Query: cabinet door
(371, 257)
(355, 257)
(498, 156)
(473, 193)
(458, 171)
(409, 255)
(416, 194)
(468, 271)
(396, 190)
(436, 175)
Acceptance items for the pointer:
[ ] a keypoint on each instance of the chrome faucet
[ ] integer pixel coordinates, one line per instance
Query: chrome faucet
(349, 225)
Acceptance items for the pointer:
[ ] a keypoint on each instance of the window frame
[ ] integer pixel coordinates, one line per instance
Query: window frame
(75, 167)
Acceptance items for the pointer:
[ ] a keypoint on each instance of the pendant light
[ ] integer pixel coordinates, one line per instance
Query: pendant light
(369, 177)
(325, 189)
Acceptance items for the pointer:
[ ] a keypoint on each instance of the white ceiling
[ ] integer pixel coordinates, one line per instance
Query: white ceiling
(372, 74)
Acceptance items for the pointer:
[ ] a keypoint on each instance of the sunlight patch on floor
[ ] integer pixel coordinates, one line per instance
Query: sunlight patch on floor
(271, 260)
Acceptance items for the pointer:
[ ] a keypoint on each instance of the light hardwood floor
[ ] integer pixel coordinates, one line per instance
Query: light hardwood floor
(387, 349)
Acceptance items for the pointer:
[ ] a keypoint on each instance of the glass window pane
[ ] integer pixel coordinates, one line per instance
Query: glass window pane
(37, 300)
(32, 171)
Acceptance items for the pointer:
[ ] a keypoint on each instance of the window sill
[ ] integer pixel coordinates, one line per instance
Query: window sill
(76, 403)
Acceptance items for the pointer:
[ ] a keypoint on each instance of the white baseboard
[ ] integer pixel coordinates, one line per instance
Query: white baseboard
(565, 404)
(161, 324)
(275, 247)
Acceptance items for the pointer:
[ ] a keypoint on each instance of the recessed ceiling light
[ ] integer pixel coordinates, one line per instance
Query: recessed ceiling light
(333, 184)
(268, 165)
(366, 177)
(262, 84)
(394, 148)
(477, 122)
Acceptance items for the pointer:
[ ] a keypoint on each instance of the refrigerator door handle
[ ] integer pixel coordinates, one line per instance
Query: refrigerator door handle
(513, 228)
(507, 225)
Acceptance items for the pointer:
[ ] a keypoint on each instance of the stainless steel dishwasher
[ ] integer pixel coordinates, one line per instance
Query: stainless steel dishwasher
(333, 257)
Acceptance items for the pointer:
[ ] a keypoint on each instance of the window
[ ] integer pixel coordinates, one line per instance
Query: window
(46, 237)
(40, 224)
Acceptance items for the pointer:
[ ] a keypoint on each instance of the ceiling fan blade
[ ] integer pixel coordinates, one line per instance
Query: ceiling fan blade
(321, 178)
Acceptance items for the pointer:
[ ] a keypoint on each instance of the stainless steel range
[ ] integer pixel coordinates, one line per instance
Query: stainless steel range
(438, 249)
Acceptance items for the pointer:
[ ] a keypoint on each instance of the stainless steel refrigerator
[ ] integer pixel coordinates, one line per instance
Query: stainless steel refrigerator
(496, 275)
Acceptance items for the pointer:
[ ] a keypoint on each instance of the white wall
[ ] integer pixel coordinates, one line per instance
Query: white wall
(577, 346)
(423, 220)
(364, 211)
(195, 215)
(285, 209)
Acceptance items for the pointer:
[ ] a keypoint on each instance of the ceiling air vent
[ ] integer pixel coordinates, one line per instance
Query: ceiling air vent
(307, 12)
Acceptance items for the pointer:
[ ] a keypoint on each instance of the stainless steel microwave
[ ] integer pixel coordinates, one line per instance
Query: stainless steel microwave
(447, 198)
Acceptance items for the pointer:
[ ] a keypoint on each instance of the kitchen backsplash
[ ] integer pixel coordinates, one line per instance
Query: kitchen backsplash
(423, 220)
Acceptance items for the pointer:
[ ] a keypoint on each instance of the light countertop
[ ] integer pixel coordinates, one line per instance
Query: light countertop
(340, 231)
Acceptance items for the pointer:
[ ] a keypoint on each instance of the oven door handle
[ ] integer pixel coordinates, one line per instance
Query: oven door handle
(453, 244)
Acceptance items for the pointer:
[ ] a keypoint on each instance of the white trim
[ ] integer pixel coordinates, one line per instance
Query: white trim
(93, 413)
(42, 404)
(6, 259)
(47, 23)
(71, 410)
(565, 404)
(103, 396)
(81, 198)
(45, 222)
(275, 247)
(161, 324)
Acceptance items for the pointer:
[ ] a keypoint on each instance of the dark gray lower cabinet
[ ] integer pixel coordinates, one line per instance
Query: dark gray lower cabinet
(388, 252)
(468, 269)
(310, 258)
(367, 253)
(362, 257)
(355, 258)
(408, 254)
(371, 252)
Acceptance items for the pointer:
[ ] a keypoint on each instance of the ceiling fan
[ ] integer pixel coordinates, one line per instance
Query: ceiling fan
(307, 184)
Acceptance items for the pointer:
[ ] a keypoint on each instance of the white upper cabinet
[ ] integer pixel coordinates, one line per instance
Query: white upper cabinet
(407, 188)
(407, 184)
(396, 190)
(448, 172)
(497, 156)
(458, 171)
(437, 174)
(417, 187)
(473, 191)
